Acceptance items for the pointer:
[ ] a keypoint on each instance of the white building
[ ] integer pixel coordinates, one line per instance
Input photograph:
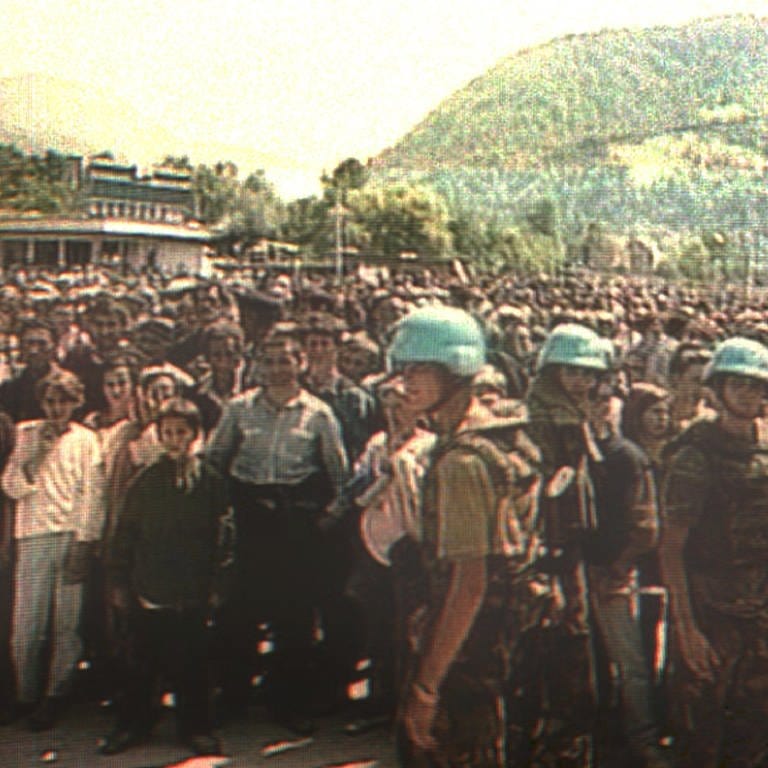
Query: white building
(126, 221)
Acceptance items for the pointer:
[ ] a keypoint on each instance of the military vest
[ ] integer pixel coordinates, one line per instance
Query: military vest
(511, 462)
(727, 549)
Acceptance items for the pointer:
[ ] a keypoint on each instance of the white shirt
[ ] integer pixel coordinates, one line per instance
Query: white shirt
(67, 492)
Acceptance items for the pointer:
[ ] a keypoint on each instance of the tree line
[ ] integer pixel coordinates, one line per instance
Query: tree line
(707, 225)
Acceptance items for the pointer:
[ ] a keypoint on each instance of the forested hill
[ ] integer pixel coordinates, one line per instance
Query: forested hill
(657, 133)
(569, 100)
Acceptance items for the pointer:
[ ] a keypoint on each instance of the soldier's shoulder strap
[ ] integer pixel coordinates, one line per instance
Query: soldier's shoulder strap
(702, 434)
(512, 463)
(509, 454)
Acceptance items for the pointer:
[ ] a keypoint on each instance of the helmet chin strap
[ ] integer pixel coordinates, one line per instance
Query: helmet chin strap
(723, 404)
(454, 385)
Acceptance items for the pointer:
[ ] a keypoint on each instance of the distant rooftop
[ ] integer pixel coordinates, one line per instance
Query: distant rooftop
(58, 226)
(116, 190)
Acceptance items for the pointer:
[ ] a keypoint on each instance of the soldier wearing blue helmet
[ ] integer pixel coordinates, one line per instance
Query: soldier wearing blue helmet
(442, 336)
(714, 557)
(569, 365)
(452, 712)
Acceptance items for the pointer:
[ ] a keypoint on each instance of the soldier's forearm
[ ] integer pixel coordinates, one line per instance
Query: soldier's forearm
(674, 576)
(453, 623)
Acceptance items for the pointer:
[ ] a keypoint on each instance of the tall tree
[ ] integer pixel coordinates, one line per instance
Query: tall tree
(215, 191)
(393, 218)
(177, 163)
(348, 175)
(33, 182)
(250, 217)
(308, 223)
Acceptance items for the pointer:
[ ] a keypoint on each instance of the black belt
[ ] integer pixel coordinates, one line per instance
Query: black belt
(312, 493)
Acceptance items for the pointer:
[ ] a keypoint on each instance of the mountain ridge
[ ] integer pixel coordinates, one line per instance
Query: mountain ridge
(661, 131)
(545, 102)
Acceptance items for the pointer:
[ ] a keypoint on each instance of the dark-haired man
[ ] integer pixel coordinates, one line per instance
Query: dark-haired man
(281, 448)
(223, 343)
(106, 321)
(354, 407)
(686, 369)
(356, 411)
(37, 346)
(627, 528)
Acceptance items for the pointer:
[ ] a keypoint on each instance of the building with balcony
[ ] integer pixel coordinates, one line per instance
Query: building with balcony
(126, 220)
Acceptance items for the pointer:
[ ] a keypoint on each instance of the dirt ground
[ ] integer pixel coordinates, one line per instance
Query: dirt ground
(73, 744)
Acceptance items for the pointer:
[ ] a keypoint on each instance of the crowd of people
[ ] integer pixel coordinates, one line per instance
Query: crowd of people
(528, 510)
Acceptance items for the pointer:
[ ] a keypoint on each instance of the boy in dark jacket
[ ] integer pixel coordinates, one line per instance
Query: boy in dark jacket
(168, 563)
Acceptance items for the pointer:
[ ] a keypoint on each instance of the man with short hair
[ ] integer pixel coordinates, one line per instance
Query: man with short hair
(686, 369)
(281, 448)
(61, 315)
(223, 343)
(152, 338)
(654, 349)
(628, 524)
(207, 303)
(353, 406)
(356, 411)
(37, 347)
(106, 321)
(359, 357)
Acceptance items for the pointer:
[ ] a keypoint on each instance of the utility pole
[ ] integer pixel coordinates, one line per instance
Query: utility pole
(338, 210)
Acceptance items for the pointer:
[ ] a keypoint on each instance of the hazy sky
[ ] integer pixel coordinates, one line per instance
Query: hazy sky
(308, 82)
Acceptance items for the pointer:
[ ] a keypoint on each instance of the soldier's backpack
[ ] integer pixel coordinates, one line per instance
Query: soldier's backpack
(512, 462)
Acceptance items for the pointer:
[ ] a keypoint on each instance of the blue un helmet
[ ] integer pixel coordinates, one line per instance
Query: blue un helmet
(439, 334)
(738, 357)
(576, 345)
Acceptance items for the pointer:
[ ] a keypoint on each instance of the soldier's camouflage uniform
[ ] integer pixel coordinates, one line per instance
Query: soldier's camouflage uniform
(555, 660)
(460, 519)
(718, 486)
